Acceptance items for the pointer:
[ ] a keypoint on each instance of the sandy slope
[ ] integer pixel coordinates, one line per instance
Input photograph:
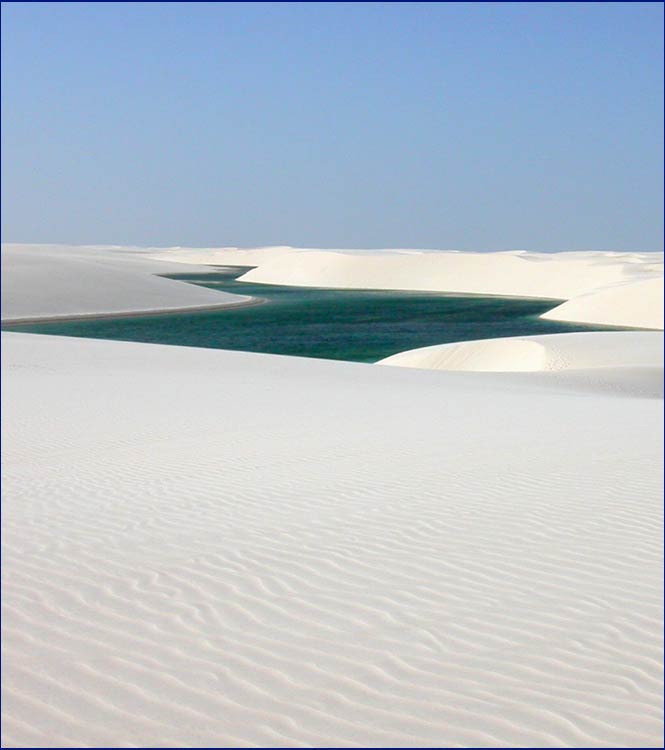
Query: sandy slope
(40, 281)
(628, 361)
(638, 304)
(556, 275)
(207, 548)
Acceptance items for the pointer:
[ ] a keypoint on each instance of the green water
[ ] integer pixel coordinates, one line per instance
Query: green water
(361, 326)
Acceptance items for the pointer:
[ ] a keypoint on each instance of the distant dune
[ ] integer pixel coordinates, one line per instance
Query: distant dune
(603, 287)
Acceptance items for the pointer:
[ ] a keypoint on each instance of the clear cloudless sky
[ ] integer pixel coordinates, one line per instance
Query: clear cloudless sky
(475, 126)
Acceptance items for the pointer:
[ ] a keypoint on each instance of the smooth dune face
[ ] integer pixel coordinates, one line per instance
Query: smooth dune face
(557, 275)
(208, 548)
(638, 304)
(613, 352)
(524, 354)
(42, 281)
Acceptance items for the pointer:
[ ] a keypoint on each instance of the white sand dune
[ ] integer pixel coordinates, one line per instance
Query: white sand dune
(207, 548)
(50, 281)
(221, 256)
(637, 303)
(556, 275)
(621, 360)
(610, 288)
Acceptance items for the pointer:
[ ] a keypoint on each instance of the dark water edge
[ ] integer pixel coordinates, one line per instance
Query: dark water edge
(354, 325)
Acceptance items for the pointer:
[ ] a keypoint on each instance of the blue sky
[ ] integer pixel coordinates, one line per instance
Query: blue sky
(477, 126)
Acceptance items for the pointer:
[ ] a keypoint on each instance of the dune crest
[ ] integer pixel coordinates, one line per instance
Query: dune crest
(551, 353)
(626, 362)
(638, 304)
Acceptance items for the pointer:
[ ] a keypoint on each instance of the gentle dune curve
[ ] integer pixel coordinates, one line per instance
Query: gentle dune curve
(54, 281)
(208, 548)
(630, 362)
(638, 304)
(556, 276)
(515, 354)
(553, 352)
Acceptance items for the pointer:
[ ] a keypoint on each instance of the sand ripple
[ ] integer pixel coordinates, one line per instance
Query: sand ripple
(210, 548)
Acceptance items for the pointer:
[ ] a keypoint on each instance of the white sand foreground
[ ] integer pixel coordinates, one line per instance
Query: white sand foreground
(208, 548)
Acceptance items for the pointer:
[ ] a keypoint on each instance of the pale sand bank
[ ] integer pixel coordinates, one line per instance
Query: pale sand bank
(54, 281)
(630, 361)
(638, 304)
(208, 548)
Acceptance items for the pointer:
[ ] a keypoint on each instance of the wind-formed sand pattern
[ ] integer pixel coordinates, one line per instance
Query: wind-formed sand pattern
(213, 548)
